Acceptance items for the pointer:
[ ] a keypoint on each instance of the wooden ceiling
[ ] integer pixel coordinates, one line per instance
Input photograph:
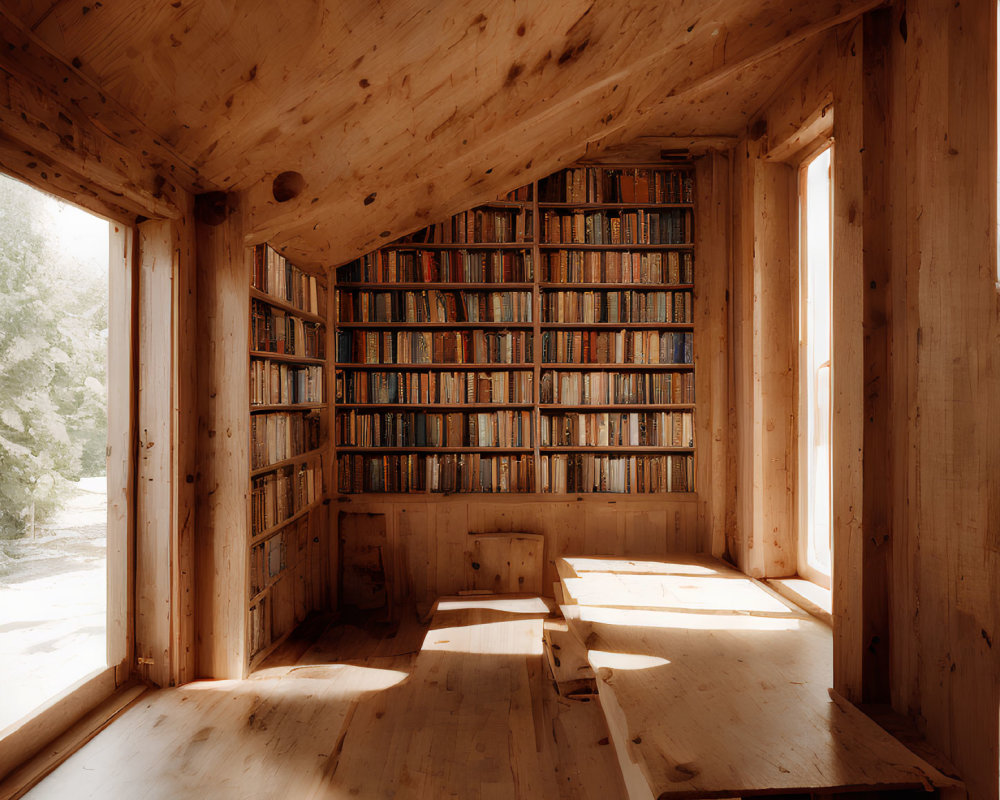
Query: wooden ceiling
(399, 113)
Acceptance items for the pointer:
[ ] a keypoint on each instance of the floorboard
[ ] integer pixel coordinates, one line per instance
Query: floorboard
(462, 708)
(716, 687)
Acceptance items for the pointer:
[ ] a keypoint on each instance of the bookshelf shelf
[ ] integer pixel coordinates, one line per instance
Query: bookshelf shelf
(548, 286)
(613, 326)
(624, 246)
(452, 286)
(613, 206)
(457, 246)
(439, 326)
(614, 366)
(289, 309)
(650, 281)
(286, 462)
(434, 407)
(624, 407)
(259, 408)
(455, 367)
(262, 535)
(263, 354)
(440, 449)
(626, 449)
(264, 297)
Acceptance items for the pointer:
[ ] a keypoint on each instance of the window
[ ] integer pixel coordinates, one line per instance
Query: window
(55, 537)
(814, 366)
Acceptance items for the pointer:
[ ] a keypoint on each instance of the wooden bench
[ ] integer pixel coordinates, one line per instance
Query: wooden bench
(714, 686)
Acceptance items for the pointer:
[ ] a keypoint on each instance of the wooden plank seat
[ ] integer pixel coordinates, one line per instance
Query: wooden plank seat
(715, 687)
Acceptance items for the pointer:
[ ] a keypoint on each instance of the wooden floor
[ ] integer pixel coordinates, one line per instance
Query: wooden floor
(459, 709)
(714, 686)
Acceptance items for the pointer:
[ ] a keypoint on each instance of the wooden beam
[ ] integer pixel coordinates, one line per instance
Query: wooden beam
(155, 557)
(713, 80)
(49, 106)
(878, 457)
(223, 475)
(816, 130)
(765, 282)
(847, 367)
(37, 169)
(711, 304)
(601, 94)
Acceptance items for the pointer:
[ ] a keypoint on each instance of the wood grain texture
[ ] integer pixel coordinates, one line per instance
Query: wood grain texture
(722, 686)
(253, 95)
(459, 710)
(223, 447)
(121, 455)
(156, 556)
(764, 355)
(847, 367)
(946, 372)
(505, 563)
(711, 302)
(428, 534)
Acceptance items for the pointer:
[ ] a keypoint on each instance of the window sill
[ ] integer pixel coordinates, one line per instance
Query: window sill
(809, 596)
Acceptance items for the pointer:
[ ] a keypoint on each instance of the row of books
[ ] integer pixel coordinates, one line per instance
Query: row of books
(276, 382)
(617, 185)
(449, 472)
(276, 496)
(273, 275)
(259, 626)
(423, 429)
(671, 226)
(267, 560)
(572, 473)
(520, 195)
(617, 347)
(618, 429)
(274, 331)
(482, 225)
(281, 435)
(607, 388)
(435, 387)
(615, 266)
(434, 347)
(433, 305)
(617, 306)
(414, 265)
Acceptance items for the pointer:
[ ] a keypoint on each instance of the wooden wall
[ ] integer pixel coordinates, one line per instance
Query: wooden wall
(944, 370)
(917, 362)
(763, 284)
(428, 535)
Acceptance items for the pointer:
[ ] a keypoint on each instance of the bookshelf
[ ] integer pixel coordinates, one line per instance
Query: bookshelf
(288, 444)
(542, 344)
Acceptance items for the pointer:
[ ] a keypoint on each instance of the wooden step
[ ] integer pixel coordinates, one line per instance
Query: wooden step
(567, 659)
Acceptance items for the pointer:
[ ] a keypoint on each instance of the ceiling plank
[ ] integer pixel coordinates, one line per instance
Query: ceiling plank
(89, 118)
(45, 140)
(598, 102)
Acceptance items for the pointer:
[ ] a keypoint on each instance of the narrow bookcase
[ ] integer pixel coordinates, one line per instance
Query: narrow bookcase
(539, 344)
(288, 442)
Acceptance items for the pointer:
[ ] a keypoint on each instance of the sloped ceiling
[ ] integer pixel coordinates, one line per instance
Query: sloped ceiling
(399, 113)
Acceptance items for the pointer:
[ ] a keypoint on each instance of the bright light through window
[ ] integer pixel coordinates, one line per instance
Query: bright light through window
(816, 330)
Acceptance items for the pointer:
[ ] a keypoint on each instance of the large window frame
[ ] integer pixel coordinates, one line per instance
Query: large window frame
(23, 739)
(809, 566)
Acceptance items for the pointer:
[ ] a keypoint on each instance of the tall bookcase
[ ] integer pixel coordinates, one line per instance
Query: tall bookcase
(542, 343)
(288, 445)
